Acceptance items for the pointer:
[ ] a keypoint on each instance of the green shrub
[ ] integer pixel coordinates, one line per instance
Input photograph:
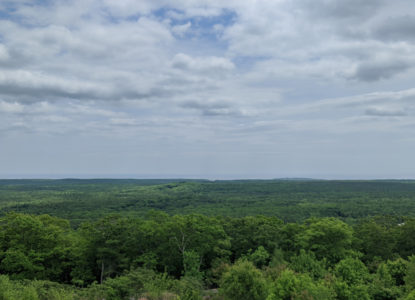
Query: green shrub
(243, 282)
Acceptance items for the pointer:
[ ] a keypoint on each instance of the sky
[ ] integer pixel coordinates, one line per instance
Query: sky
(207, 89)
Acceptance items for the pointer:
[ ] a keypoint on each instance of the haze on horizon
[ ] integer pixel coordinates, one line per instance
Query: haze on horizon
(207, 89)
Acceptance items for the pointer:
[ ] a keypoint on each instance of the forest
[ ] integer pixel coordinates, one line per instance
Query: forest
(290, 200)
(222, 240)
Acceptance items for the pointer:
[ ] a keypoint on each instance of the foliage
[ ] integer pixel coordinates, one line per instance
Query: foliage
(306, 262)
(410, 274)
(291, 201)
(352, 271)
(383, 284)
(290, 285)
(411, 296)
(260, 257)
(328, 238)
(35, 247)
(191, 265)
(216, 242)
(375, 240)
(243, 282)
(397, 269)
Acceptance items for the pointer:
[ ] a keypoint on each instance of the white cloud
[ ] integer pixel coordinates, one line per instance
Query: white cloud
(212, 63)
(208, 77)
(6, 107)
(181, 30)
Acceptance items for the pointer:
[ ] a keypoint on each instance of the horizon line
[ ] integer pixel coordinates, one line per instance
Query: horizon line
(190, 177)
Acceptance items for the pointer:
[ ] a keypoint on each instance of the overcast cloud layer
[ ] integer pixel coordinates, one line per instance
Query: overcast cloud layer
(207, 88)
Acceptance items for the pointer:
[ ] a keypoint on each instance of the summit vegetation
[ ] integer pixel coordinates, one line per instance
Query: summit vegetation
(223, 240)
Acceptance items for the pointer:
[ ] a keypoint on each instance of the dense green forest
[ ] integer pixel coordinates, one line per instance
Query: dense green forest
(200, 257)
(291, 201)
(222, 240)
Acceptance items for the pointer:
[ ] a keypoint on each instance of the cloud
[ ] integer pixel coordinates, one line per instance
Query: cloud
(4, 54)
(124, 121)
(6, 107)
(374, 71)
(207, 78)
(212, 63)
(397, 28)
(37, 86)
(379, 112)
(214, 108)
(324, 39)
(127, 50)
(343, 9)
(181, 30)
(101, 62)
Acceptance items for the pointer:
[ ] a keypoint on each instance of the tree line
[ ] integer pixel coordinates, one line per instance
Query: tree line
(194, 256)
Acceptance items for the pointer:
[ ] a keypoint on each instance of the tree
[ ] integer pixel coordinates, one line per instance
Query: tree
(353, 292)
(306, 262)
(375, 240)
(406, 242)
(191, 264)
(410, 274)
(243, 282)
(35, 247)
(107, 239)
(200, 234)
(353, 276)
(290, 285)
(252, 232)
(352, 271)
(259, 257)
(397, 269)
(383, 284)
(328, 238)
